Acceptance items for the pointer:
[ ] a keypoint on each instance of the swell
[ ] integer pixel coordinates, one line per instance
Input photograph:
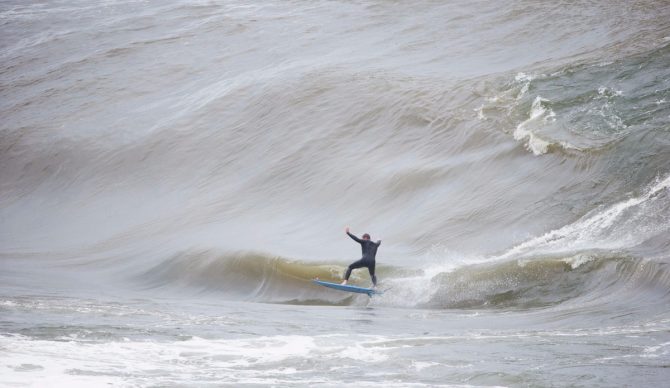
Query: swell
(402, 143)
(276, 146)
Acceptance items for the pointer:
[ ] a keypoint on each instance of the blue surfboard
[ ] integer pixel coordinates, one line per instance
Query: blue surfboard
(348, 288)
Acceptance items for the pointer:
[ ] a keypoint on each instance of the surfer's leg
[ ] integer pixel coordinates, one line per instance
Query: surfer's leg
(356, 264)
(371, 269)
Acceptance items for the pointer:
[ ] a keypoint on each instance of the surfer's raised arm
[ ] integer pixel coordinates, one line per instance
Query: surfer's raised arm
(358, 240)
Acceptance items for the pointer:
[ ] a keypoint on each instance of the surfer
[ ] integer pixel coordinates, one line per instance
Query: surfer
(369, 249)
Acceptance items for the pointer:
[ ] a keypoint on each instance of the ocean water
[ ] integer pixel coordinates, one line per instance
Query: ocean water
(174, 174)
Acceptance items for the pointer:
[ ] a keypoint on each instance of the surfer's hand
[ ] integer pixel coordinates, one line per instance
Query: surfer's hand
(346, 230)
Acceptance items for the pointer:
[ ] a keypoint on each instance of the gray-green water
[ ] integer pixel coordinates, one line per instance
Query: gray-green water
(173, 175)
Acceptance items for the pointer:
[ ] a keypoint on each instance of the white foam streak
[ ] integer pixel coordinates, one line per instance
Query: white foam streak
(622, 225)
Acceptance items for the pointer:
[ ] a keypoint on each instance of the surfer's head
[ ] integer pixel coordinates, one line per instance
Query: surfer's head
(366, 236)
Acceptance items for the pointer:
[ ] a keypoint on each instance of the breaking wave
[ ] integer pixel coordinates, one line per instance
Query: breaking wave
(517, 284)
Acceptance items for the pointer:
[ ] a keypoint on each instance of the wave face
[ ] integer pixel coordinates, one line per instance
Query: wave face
(519, 165)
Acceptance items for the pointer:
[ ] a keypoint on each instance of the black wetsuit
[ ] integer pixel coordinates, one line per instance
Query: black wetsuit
(369, 249)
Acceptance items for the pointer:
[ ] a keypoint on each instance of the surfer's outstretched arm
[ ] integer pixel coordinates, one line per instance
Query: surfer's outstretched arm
(358, 240)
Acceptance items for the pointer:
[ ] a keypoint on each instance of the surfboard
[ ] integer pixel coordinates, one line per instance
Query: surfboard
(348, 288)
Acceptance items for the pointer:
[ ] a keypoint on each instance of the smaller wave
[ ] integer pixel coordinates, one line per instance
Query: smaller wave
(514, 284)
(585, 278)
(582, 107)
(535, 129)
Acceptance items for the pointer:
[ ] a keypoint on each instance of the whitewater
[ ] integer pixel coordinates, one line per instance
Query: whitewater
(174, 174)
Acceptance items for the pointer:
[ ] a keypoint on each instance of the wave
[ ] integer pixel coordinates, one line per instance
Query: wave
(590, 258)
(550, 281)
(535, 282)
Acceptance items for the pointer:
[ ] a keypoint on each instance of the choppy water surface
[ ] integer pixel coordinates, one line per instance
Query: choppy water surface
(173, 175)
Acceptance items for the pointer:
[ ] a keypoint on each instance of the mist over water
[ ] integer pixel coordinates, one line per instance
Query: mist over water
(173, 175)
